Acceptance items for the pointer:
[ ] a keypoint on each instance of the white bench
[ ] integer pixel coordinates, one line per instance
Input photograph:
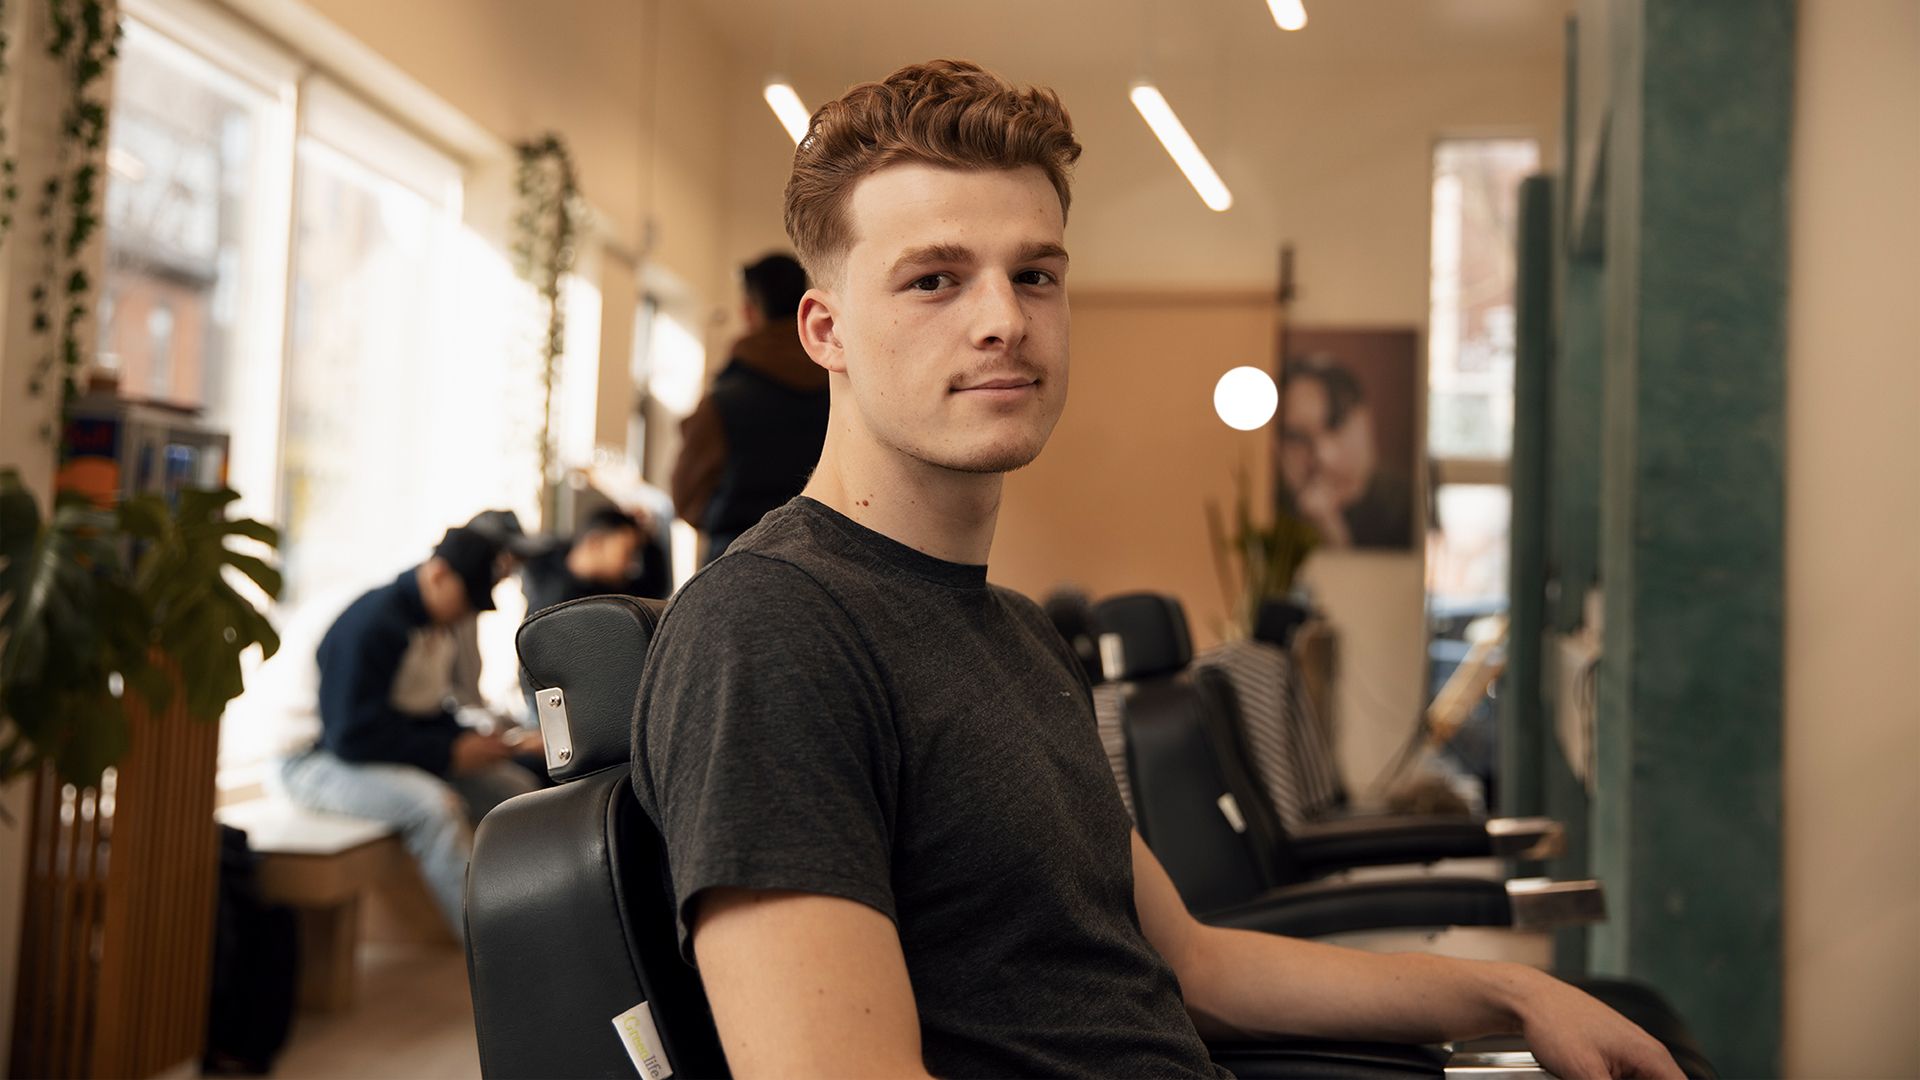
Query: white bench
(323, 865)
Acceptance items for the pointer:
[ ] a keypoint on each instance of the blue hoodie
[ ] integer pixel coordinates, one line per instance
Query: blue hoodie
(359, 660)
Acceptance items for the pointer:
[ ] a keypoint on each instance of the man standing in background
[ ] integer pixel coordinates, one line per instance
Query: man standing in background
(755, 437)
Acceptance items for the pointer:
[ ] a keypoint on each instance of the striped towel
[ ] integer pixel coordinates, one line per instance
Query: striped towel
(1113, 737)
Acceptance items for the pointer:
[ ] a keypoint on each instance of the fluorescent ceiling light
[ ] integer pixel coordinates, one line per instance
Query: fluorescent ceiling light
(786, 105)
(1159, 116)
(1288, 14)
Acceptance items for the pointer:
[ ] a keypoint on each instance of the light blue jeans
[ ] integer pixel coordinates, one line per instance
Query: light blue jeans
(434, 816)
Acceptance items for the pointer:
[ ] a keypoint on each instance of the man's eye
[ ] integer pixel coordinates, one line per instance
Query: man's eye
(1034, 277)
(930, 283)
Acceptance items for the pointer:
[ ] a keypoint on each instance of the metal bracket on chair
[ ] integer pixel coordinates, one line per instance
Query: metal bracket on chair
(1527, 838)
(1544, 904)
(551, 704)
(1495, 1065)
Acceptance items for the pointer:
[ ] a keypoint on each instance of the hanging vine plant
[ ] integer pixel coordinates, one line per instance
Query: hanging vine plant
(546, 228)
(84, 39)
(9, 169)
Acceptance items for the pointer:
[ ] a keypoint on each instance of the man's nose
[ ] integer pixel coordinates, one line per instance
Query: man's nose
(999, 320)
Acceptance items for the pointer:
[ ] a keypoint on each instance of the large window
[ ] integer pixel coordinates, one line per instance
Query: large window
(379, 376)
(197, 183)
(1476, 186)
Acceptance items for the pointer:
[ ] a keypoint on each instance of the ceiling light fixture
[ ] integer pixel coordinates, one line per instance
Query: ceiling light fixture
(1180, 146)
(1288, 14)
(786, 105)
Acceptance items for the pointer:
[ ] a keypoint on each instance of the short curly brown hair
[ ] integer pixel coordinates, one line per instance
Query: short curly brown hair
(951, 113)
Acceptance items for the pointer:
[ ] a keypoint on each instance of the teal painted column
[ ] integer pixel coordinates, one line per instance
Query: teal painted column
(1573, 551)
(1523, 723)
(1686, 813)
(1573, 482)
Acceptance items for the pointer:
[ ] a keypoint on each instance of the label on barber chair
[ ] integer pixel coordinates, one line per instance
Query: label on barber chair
(642, 1041)
(1230, 809)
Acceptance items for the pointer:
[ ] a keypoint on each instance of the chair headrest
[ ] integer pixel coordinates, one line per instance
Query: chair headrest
(1142, 635)
(583, 660)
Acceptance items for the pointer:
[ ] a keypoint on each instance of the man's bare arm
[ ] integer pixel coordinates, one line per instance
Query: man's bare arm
(1243, 983)
(805, 985)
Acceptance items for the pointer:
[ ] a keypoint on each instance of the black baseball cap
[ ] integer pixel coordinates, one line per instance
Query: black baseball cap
(471, 555)
(503, 528)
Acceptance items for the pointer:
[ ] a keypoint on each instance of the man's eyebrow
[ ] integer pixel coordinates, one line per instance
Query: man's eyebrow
(963, 255)
(931, 253)
(1036, 252)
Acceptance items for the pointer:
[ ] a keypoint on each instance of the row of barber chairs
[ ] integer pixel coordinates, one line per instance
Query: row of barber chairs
(570, 931)
(1181, 743)
(1178, 736)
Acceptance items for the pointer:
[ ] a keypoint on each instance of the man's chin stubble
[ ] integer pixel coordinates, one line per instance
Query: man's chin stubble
(999, 460)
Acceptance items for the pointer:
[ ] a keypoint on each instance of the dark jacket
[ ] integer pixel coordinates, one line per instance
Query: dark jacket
(359, 660)
(755, 437)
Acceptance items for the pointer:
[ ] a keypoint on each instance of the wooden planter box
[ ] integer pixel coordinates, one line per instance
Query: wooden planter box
(121, 889)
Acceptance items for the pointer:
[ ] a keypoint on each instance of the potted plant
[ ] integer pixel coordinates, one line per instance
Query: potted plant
(100, 604)
(1257, 566)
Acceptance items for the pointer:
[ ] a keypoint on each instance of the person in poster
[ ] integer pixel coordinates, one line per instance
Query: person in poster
(1331, 469)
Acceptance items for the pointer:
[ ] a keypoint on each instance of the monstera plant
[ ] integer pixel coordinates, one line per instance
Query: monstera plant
(101, 605)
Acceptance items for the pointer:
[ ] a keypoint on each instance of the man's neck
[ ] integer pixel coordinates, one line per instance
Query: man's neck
(939, 512)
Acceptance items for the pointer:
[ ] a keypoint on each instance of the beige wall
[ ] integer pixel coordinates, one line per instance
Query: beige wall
(1852, 890)
(1117, 502)
(1349, 151)
(30, 90)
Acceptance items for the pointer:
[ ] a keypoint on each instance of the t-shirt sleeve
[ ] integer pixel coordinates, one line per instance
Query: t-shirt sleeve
(769, 759)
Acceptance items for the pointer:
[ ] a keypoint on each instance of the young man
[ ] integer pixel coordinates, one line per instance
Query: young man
(895, 845)
(389, 747)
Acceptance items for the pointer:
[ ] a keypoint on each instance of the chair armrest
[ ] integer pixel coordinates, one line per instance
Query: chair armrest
(1374, 841)
(1316, 909)
(1317, 1059)
(1529, 839)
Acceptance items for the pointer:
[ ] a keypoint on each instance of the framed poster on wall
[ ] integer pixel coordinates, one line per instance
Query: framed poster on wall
(1346, 443)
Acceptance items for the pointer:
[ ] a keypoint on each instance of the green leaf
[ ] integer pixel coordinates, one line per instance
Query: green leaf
(257, 571)
(144, 516)
(254, 530)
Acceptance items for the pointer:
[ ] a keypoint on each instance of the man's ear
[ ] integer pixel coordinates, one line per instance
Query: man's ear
(818, 333)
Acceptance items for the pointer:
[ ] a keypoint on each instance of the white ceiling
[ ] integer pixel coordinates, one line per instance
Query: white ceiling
(840, 42)
(1324, 135)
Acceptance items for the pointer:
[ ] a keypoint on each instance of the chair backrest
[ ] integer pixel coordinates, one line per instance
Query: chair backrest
(1193, 799)
(571, 947)
(1287, 747)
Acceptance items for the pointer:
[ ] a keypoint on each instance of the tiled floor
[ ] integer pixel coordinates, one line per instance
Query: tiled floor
(411, 1018)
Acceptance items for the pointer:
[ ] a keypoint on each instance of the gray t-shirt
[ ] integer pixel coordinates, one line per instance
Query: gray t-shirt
(827, 710)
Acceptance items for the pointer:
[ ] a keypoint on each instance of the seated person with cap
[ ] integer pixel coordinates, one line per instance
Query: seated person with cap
(894, 843)
(390, 747)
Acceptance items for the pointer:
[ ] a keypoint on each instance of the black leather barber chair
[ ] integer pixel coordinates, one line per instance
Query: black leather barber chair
(1220, 841)
(1214, 831)
(1145, 645)
(569, 920)
(570, 932)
